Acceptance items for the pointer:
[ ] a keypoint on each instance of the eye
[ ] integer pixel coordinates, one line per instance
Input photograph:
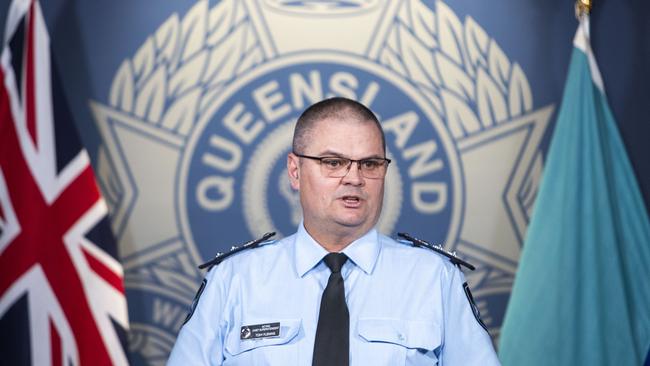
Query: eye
(333, 163)
(371, 164)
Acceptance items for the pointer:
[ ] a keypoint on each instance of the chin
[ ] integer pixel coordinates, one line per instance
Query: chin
(352, 222)
(354, 219)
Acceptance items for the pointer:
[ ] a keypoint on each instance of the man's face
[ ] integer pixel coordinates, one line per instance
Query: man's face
(338, 206)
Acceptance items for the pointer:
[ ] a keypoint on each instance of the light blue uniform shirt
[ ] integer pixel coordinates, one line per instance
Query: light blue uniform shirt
(407, 307)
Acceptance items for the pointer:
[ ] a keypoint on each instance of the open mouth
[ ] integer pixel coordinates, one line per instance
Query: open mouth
(351, 200)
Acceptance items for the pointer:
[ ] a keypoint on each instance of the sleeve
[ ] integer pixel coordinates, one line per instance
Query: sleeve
(466, 342)
(200, 340)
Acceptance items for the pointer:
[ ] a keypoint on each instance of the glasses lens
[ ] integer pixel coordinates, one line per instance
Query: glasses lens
(338, 167)
(373, 168)
(334, 167)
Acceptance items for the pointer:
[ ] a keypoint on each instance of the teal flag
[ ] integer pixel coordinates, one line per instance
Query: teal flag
(582, 292)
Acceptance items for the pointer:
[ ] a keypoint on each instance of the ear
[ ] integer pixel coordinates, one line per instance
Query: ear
(293, 170)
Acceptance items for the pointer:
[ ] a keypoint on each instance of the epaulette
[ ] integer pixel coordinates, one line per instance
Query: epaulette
(436, 248)
(236, 249)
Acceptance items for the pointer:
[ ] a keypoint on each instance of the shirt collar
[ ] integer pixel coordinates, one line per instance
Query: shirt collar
(363, 251)
(308, 252)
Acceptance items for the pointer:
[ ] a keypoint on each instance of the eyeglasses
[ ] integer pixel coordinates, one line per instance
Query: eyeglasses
(338, 167)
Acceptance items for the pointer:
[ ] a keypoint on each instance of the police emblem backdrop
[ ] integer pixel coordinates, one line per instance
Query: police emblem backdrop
(187, 110)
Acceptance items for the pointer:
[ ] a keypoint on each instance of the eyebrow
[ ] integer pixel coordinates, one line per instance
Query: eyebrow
(331, 153)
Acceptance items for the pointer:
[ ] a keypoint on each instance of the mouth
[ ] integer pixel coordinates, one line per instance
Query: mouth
(351, 201)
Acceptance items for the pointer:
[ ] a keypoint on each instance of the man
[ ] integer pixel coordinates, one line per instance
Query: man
(336, 292)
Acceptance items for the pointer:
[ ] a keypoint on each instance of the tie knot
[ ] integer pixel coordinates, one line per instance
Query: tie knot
(335, 261)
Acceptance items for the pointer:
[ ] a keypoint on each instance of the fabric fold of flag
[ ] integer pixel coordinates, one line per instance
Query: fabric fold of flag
(61, 286)
(581, 294)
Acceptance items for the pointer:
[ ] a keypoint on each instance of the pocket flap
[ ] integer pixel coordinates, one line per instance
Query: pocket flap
(289, 329)
(407, 333)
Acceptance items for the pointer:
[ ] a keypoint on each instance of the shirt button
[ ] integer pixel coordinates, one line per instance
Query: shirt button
(400, 336)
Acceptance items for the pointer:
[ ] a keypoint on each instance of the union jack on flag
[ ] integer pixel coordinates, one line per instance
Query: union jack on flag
(61, 286)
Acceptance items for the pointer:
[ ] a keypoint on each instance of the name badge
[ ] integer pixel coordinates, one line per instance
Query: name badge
(258, 331)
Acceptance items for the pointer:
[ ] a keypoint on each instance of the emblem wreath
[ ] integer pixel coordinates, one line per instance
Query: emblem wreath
(188, 62)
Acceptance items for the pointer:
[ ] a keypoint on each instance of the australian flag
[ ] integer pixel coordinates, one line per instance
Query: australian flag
(61, 286)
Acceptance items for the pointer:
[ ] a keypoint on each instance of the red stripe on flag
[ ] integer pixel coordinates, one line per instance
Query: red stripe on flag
(106, 273)
(76, 199)
(57, 358)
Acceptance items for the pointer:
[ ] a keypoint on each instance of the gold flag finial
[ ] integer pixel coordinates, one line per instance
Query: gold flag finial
(583, 7)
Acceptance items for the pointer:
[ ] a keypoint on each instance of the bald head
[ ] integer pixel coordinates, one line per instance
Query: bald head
(333, 108)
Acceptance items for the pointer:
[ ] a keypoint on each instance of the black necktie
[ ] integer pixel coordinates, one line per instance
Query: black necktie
(332, 345)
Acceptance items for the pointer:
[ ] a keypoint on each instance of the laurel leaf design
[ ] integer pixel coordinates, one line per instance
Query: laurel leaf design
(418, 60)
(188, 75)
(187, 60)
(167, 38)
(144, 60)
(220, 21)
(209, 96)
(520, 98)
(477, 43)
(450, 30)
(450, 59)
(193, 29)
(390, 55)
(491, 103)
(149, 103)
(438, 52)
(180, 115)
(423, 24)
(498, 65)
(454, 78)
(224, 58)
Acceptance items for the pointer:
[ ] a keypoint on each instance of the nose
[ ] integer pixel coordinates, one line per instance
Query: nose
(353, 175)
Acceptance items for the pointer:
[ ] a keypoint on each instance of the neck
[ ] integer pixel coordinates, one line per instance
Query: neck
(333, 241)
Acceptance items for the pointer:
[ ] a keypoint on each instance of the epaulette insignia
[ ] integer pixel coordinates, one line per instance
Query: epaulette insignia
(236, 249)
(436, 248)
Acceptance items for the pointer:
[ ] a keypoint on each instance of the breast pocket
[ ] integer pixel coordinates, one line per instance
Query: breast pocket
(387, 341)
(250, 344)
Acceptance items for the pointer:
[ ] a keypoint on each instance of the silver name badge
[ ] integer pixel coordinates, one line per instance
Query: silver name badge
(260, 331)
